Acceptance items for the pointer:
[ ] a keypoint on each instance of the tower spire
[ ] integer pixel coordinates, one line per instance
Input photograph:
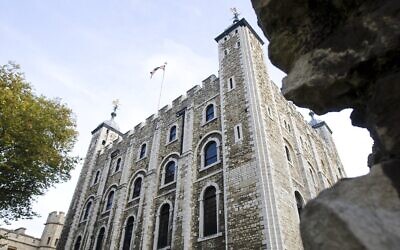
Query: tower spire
(235, 15)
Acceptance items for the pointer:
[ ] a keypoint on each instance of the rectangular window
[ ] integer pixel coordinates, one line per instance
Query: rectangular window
(231, 83)
(238, 133)
(48, 240)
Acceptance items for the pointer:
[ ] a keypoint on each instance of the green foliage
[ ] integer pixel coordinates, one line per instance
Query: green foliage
(36, 137)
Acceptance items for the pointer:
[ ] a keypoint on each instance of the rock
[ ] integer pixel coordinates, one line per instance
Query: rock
(345, 54)
(359, 213)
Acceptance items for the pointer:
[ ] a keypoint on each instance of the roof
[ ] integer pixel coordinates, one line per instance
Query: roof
(241, 22)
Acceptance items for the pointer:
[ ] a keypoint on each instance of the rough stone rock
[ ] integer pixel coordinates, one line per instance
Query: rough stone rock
(355, 212)
(340, 54)
(345, 54)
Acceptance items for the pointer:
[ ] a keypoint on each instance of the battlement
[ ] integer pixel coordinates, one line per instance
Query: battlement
(56, 218)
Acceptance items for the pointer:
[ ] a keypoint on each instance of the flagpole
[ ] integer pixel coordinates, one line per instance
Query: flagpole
(159, 97)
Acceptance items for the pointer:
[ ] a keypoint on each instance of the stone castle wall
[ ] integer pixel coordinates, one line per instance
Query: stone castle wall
(255, 182)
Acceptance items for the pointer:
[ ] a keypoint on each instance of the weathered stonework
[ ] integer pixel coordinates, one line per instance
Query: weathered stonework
(345, 54)
(255, 182)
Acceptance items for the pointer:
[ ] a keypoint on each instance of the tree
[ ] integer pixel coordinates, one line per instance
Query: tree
(37, 135)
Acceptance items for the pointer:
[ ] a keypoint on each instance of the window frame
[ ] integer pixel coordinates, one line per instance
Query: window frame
(167, 137)
(97, 237)
(106, 198)
(204, 120)
(229, 88)
(131, 198)
(201, 212)
(139, 155)
(97, 177)
(163, 172)
(170, 225)
(124, 231)
(202, 153)
(238, 133)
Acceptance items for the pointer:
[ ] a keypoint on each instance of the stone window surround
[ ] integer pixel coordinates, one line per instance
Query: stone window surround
(97, 235)
(233, 83)
(76, 239)
(90, 199)
(236, 134)
(167, 141)
(203, 120)
(105, 198)
(133, 230)
(201, 212)
(157, 225)
(163, 185)
(94, 182)
(202, 155)
(132, 185)
(140, 149)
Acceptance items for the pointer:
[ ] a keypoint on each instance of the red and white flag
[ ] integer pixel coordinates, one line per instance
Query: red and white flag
(157, 68)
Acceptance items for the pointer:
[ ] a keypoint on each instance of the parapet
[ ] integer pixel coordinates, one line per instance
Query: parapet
(56, 218)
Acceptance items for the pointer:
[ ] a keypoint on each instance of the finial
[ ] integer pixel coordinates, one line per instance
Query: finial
(235, 15)
(116, 105)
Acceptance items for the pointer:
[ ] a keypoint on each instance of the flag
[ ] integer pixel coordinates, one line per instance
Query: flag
(157, 68)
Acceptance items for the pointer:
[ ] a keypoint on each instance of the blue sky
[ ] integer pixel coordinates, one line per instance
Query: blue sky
(90, 52)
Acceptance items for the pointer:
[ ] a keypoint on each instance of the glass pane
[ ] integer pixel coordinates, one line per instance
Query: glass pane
(128, 233)
(210, 211)
(169, 172)
(210, 153)
(163, 227)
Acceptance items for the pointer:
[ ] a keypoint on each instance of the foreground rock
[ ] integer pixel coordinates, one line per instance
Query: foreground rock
(345, 54)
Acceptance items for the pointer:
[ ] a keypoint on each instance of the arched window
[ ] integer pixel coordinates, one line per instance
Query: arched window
(142, 151)
(210, 153)
(163, 228)
(288, 154)
(128, 233)
(87, 210)
(77, 245)
(210, 211)
(118, 165)
(172, 134)
(210, 112)
(100, 239)
(169, 175)
(137, 187)
(110, 199)
(97, 177)
(299, 202)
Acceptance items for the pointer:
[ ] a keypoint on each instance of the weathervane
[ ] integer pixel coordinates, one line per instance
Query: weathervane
(116, 106)
(235, 15)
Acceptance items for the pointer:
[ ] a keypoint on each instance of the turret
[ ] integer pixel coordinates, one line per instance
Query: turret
(52, 230)
(322, 129)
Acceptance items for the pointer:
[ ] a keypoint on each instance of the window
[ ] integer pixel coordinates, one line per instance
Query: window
(238, 133)
(288, 154)
(225, 52)
(172, 134)
(163, 228)
(269, 112)
(142, 151)
(87, 211)
(100, 238)
(128, 233)
(170, 169)
(210, 112)
(231, 83)
(238, 44)
(299, 202)
(48, 240)
(56, 243)
(97, 177)
(210, 153)
(77, 245)
(118, 165)
(210, 212)
(137, 187)
(110, 199)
